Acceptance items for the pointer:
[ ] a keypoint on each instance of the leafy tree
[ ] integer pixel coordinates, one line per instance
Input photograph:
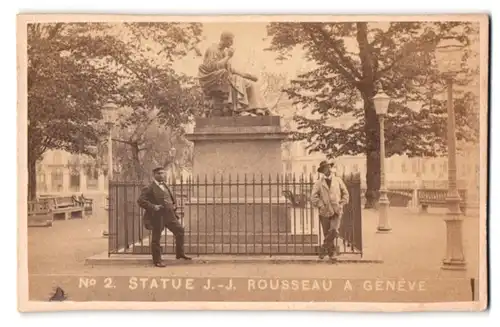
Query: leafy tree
(146, 135)
(75, 68)
(356, 60)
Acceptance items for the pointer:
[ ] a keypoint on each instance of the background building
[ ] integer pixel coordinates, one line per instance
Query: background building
(64, 174)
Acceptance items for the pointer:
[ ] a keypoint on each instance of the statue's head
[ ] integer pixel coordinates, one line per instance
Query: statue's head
(226, 39)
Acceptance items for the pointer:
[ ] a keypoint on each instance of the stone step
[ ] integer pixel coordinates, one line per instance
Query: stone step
(234, 249)
(234, 238)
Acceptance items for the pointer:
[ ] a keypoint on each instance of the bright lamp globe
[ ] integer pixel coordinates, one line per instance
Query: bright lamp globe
(381, 101)
(448, 53)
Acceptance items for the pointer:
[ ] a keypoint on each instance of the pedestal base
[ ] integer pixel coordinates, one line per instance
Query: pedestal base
(454, 265)
(227, 147)
(455, 258)
(383, 219)
(212, 218)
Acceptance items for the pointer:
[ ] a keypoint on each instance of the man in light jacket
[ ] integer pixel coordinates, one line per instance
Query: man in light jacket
(329, 195)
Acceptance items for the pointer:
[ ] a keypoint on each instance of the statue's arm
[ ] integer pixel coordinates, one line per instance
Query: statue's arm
(242, 74)
(211, 61)
(223, 63)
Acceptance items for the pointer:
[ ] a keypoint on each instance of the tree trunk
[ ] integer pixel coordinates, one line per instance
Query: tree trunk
(136, 161)
(367, 89)
(372, 155)
(31, 178)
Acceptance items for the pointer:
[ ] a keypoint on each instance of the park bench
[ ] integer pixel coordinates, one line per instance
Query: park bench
(437, 198)
(86, 203)
(399, 197)
(39, 213)
(66, 208)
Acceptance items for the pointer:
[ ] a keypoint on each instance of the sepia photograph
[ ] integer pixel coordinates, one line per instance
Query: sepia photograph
(333, 163)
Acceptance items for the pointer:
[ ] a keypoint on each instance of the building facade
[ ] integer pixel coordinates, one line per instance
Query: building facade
(62, 173)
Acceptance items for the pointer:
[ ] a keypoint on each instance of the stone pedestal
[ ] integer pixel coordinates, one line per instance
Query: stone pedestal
(227, 147)
(236, 170)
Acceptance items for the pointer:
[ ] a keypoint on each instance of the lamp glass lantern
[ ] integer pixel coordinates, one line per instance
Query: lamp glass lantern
(448, 57)
(381, 101)
(109, 111)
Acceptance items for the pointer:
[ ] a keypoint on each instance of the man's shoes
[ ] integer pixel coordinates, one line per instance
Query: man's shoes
(183, 257)
(160, 264)
(322, 253)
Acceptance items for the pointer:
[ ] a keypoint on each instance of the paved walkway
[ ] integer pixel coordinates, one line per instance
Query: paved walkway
(66, 245)
(415, 246)
(413, 250)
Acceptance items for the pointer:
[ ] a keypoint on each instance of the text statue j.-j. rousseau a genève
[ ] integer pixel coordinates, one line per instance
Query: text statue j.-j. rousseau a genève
(227, 91)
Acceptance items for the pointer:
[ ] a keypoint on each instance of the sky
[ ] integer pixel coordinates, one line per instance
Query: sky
(249, 45)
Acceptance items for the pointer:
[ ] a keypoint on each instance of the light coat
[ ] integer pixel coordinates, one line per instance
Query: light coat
(329, 201)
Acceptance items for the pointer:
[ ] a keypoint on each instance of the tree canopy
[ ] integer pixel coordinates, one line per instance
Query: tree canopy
(355, 60)
(75, 68)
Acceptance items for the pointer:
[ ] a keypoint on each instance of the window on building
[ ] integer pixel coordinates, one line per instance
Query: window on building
(92, 179)
(433, 168)
(342, 169)
(403, 167)
(304, 150)
(423, 167)
(355, 168)
(414, 166)
(74, 181)
(288, 166)
(57, 180)
(304, 169)
(41, 183)
(313, 169)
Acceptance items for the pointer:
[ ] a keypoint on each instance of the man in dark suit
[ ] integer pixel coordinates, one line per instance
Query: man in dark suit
(160, 206)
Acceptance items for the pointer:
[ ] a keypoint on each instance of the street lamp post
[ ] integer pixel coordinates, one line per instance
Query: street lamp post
(109, 114)
(447, 56)
(381, 101)
(172, 164)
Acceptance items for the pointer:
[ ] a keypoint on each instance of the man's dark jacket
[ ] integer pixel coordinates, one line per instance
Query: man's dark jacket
(152, 195)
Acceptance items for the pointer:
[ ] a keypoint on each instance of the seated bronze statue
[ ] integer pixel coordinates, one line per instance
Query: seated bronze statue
(227, 91)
